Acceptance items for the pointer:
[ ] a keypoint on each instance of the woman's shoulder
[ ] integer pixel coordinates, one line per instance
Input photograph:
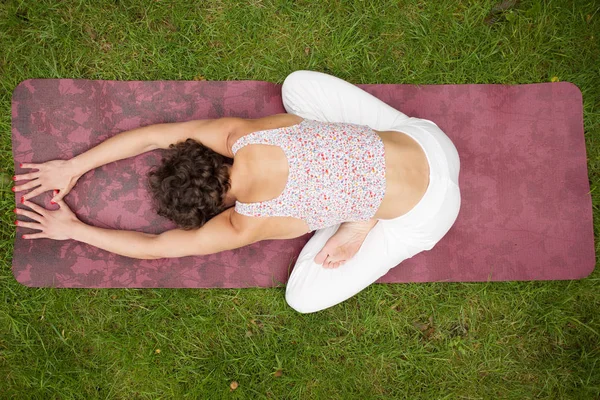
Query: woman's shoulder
(249, 126)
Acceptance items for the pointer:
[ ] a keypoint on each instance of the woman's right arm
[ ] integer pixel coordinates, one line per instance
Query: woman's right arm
(62, 175)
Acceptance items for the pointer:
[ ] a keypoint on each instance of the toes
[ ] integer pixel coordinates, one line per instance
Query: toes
(328, 248)
(321, 256)
(328, 254)
(332, 264)
(328, 263)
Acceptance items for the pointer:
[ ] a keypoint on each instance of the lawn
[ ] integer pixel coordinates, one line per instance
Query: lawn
(513, 340)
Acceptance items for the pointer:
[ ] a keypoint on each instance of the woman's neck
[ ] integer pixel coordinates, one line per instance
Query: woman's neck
(239, 181)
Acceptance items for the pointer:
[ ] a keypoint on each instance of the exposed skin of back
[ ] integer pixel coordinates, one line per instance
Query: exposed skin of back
(260, 173)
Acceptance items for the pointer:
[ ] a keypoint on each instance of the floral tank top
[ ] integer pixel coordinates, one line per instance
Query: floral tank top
(336, 173)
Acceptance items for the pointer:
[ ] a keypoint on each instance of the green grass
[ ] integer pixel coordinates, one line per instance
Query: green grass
(514, 340)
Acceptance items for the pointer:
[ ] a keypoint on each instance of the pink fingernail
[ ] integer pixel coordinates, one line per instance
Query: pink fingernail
(14, 178)
(13, 189)
(21, 165)
(55, 192)
(52, 202)
(24, 237)
(22, 200)
(16, 222)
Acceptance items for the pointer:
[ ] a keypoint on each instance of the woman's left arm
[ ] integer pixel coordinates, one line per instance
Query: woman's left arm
(218, 234)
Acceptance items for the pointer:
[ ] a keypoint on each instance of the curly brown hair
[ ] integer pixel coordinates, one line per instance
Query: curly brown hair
(190, 184)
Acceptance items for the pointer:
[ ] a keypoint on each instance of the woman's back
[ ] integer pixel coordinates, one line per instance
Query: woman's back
(337, 172)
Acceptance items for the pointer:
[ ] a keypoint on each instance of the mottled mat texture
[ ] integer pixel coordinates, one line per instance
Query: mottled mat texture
(526, 208)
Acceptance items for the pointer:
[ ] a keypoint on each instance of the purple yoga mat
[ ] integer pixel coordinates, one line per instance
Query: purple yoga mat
(526, 206)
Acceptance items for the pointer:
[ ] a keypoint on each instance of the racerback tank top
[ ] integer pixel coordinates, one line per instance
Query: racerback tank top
(336, 173)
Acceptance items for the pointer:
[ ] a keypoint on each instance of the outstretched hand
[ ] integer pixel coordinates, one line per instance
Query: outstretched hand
(55, 225)
(52, 175)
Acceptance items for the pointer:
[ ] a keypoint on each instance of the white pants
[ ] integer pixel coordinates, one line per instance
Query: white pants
(322, 97)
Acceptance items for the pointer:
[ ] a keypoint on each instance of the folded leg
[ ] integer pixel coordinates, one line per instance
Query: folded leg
(313, 288)
(322, 97)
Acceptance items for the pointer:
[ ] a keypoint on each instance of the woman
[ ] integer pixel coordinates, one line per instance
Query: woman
(378, 186)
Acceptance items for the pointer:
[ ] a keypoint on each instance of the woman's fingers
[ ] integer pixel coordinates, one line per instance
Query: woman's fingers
(36, 208)
(40, 235)
(28, 185)
(29, 214)
(34, 193)
(30, 165)
(24, 177)
(31, 225)
(58, 196)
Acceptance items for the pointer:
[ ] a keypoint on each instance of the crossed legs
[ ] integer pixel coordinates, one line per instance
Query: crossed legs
(351, 253)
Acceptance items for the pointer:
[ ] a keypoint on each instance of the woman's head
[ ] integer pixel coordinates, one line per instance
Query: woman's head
(190, 184)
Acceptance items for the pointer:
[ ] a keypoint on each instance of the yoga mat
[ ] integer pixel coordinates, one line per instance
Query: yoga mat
(526, 205)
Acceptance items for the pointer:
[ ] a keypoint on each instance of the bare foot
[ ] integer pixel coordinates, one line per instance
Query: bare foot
(344, 244)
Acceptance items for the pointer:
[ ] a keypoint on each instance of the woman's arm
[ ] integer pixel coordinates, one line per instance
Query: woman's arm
(62, 175)
(218, 234)
(213, 133)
